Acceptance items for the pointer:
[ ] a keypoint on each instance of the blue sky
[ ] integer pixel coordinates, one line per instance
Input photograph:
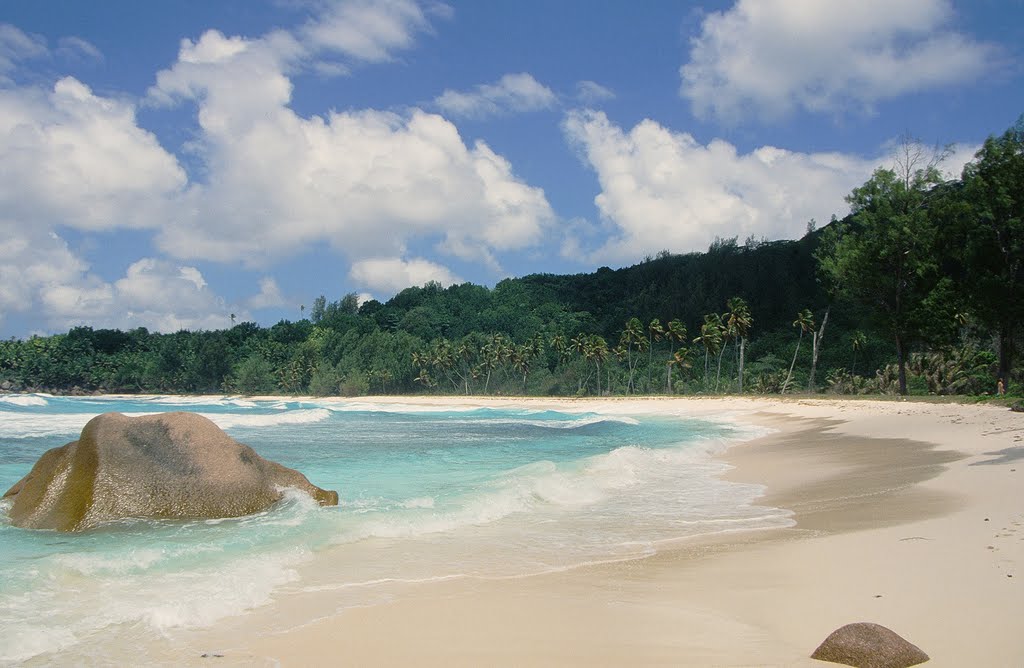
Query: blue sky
(167, 164)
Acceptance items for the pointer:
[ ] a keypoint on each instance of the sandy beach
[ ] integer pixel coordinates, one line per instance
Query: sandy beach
(910, 515)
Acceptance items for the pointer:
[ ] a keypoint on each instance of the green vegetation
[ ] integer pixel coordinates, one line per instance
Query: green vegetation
(919, 287)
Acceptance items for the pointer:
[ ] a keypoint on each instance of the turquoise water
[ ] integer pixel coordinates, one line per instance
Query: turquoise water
(425, 493)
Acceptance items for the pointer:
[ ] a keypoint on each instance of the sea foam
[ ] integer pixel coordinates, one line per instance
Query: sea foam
(23, 399)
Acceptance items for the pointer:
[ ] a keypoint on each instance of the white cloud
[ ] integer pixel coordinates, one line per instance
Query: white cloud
(391, 275)
(367, 30)
(69, 157)
(664, 190)
(167, 297)
(76, 48)
(366, 182)
(39, 273)
(512, 93)
(767, 58)
(269, 295)
(591, 92)
(16, 46)
(32, 258)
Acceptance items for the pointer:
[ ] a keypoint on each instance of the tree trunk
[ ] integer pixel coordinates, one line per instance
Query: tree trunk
(901, 362)
(793, 363)
(718, 374)
(1005, 357)
(650, 362)
(816, 349)
(668, 379)
(743, 343)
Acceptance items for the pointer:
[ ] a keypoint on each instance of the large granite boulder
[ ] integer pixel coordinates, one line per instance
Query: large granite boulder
(868, 645)
(171, 465)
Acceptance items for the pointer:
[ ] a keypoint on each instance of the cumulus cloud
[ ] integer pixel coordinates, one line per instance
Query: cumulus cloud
(165, 296)
(39, 272)
(512, 93)
(391, 275)
(70, 157)
(365, 182)
(664, 190)
(767, 58)
(269, 295)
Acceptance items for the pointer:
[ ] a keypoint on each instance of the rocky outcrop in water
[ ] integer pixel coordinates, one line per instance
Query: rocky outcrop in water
(167, 466)
(868, 645)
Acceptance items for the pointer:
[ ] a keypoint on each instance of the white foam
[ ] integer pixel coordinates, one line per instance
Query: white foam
(26, 425)
(24, 399)
(419, 502)
(574, 423)
(370, 407)
(74, 596)
(300, 416)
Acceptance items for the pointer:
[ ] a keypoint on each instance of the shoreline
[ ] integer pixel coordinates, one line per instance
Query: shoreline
(923, 535)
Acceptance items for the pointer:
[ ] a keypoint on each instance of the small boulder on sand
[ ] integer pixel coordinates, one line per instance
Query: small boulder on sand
(868, 645)
(166, 466)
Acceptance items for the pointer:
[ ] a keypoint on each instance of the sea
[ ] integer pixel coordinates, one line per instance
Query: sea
(427, 492)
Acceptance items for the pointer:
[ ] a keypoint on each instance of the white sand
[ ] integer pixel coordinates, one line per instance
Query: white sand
(925, 536)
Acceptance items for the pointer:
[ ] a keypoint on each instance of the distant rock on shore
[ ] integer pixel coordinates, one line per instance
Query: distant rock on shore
(172, 466)
(868, 645)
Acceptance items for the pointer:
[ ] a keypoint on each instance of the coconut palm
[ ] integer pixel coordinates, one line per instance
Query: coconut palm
(805, 321)
(654, 333)
(632, 338)
(674, 331)
(710, 339)
(739, 321)
(680, 360)
(857, 342)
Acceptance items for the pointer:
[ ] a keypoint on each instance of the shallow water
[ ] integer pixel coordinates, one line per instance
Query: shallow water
(425, 493)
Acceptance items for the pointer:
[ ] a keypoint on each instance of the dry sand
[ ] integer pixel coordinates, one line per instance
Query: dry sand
(910, 515)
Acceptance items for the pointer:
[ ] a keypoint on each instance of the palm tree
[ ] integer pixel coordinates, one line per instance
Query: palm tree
(654, 333)
(493, 354)
(680, 360)
(739, 321)
(674, 331)
(578, 345)
(597, 352)
(805, 321)
(559, 345)
(858, 342)
(632, 337)
(710, 339)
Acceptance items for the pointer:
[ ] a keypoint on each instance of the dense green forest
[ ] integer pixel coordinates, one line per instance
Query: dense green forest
(916, 291)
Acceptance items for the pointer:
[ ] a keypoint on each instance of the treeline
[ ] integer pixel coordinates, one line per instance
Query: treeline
(917, 290)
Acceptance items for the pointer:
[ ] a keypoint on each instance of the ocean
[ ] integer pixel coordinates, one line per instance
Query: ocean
(426, 493)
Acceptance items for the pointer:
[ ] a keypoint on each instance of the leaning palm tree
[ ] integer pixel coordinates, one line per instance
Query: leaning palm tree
(805, 321)
(680, 360)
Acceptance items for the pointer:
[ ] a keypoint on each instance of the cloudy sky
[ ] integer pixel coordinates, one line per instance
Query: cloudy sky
(168, 163)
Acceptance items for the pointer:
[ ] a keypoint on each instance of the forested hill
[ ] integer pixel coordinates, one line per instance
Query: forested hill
(776, 278)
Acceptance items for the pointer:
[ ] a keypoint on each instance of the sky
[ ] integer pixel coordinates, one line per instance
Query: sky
(174, 164)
